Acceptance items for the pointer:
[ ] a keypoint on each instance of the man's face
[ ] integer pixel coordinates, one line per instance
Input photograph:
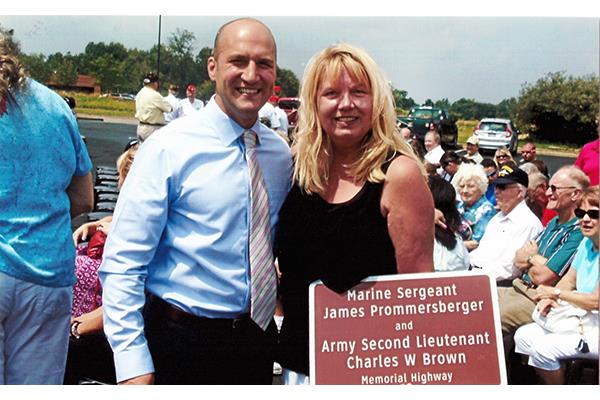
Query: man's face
(564, 195)
(472, 149)
(528, 152)
(430, 142)
(243, 69)
(508, 196)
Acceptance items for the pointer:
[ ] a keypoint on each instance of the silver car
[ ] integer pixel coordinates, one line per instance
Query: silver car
(494, 133)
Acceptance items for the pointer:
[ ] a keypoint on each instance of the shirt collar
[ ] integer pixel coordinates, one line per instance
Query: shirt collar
(228, 130)
(516, 214)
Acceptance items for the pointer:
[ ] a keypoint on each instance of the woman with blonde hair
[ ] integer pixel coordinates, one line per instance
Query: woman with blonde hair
(502, 156)
(360, 204)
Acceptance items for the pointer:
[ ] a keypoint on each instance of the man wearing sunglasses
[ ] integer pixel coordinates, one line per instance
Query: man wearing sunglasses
(544, 260)
(508, 230)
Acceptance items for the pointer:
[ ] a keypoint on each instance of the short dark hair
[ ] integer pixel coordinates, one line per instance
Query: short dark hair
(488, 162)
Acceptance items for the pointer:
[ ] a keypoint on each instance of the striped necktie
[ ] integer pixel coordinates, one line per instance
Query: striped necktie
(262, 269)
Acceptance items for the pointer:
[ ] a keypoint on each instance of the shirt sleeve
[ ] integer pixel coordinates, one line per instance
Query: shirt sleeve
(83, 163)
(162, 104)
(138, 222)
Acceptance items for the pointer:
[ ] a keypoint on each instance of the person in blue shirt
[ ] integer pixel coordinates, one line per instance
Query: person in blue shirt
(45, 179)
(491, 170)
(181, 232)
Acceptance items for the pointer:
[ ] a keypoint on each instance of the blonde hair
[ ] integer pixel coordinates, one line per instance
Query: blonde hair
(591, 196)
(12, 72)
(124, 163)
(312, 146)
(503, 151)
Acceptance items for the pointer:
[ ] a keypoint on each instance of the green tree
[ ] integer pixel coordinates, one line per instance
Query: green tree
(182, 66)
(205, 90)
(560, 108)
(288, 81)
(36, 66)
(202, 63)
(506, 108)
(402, 100)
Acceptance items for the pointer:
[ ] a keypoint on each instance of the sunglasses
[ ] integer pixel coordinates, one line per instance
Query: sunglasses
(593, 213)
(502, 156)
(555, 188)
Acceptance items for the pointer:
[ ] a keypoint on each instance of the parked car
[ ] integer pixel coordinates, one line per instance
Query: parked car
(494, 133)
(123, 96)
(424, 118)
(290, 105)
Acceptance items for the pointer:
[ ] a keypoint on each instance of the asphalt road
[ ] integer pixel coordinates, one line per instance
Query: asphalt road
(106, 141)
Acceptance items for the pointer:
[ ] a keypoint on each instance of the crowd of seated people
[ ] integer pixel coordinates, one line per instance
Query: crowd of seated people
(528, 239)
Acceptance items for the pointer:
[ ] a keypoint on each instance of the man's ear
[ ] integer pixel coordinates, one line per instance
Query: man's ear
(211, 67)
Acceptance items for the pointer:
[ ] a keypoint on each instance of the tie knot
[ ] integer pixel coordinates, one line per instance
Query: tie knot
(250, 139)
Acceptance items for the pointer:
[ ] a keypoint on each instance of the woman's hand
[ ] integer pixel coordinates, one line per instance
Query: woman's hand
(471, 244)
(439, 219)
(544, 306)
(87, 230)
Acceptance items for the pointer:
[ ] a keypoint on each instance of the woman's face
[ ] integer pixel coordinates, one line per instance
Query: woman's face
(589, 226)
(501, 158)
(469, 191)
(345, 109)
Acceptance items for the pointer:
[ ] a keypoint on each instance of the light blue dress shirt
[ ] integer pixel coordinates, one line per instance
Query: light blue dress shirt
(181, 227)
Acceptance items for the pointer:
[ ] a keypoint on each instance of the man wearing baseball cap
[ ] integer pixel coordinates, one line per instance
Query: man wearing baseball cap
(509, 229)
(190, 104)
(473, 150)
(149, 107)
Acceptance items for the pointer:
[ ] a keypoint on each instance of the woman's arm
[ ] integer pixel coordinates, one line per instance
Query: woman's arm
(87, 230)
(89, 322)
(407, 205)
(567, 285)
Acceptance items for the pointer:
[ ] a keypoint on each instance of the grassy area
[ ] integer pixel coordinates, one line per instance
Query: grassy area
(102, 106)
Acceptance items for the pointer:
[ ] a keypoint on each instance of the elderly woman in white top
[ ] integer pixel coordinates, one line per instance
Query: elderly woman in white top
(471, 182)
(578, 287)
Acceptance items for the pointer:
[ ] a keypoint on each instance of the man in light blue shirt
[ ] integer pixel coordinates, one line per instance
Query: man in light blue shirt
(181, 232)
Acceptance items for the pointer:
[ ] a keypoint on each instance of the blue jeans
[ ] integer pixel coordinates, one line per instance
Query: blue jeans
(34, 332)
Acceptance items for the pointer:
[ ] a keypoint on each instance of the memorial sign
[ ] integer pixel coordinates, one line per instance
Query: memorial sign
(433, 328)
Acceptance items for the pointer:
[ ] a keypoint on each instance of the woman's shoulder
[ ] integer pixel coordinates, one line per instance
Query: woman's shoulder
(403, 168)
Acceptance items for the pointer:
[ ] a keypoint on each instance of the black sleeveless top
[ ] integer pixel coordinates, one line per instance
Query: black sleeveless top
(340, 244)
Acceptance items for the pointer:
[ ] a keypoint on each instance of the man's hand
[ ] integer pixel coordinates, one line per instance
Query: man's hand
(147, 379)
(545, 292)
(531, 247)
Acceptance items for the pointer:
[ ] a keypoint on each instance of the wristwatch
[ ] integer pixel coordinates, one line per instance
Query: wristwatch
(74, 331)
(557, 292)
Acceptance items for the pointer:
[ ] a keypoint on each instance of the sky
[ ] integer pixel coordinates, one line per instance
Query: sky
(449, 55)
